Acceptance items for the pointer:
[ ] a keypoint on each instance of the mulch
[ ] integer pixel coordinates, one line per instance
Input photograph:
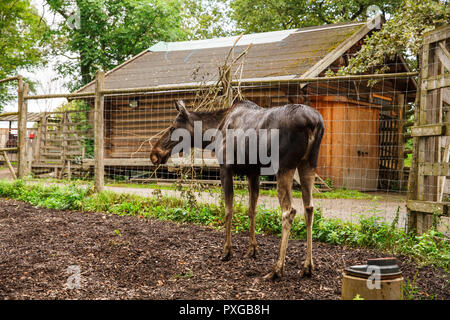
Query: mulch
(124, 257)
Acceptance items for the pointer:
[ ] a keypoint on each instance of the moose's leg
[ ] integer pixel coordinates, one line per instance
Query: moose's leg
(284, 190)
(307, 175)
(226, 177)
(253, 188)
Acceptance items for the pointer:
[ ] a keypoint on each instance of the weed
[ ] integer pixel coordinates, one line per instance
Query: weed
(186, 275)
(411, 292)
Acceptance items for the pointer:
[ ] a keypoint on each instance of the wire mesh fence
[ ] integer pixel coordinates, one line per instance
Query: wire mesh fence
(108, 128)
(363, 147)
(363, 163)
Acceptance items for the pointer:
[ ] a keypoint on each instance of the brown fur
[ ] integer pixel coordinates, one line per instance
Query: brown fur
(300, 133)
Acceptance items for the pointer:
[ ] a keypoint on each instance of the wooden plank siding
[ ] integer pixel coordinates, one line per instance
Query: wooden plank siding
(349, 153)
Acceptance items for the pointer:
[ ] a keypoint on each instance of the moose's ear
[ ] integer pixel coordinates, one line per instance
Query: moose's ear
(181, 107)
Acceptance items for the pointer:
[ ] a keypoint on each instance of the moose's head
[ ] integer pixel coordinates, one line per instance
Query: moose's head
(162, 148)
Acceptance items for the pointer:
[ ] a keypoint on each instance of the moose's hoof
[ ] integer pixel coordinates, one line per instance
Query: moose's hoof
(227, 254)
(275, 274)
(307, 270)
(252, 251)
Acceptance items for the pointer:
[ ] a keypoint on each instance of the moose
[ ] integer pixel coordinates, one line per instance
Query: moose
(299, 132)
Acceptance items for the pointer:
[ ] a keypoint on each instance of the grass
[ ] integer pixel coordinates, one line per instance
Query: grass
(240, 191)
(371, 232)
(187, 275)
(334, 194)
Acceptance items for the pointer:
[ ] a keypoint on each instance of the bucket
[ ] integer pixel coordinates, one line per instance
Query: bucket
(379, 279)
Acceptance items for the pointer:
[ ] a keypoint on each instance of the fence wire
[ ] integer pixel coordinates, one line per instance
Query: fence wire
(363, 163)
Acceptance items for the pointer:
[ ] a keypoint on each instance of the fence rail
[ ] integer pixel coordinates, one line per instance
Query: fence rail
(10, 79)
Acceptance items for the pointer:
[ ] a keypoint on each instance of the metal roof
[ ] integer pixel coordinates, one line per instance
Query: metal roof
(245, 40)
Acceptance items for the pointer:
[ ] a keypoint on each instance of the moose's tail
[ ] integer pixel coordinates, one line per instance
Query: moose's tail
(314, 141)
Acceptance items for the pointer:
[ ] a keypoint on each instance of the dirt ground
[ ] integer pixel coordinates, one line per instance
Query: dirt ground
(123, 257)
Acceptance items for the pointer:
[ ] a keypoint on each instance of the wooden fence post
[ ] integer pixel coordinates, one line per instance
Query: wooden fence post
(428, 167)
(22, 127)
(400, 101)
(99, 168)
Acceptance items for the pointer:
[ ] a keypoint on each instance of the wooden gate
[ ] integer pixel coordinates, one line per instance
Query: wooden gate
(61, 144)
(431, 134)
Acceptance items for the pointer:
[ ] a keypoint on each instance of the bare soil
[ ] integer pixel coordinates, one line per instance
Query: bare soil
(123, 257)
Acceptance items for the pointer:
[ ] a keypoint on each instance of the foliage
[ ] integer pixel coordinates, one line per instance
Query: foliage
(429, 248)
(53, 197)
(100, 34)
(406, 23)
(271, 15)
(22, 41)
(206, 19)
(402, 35)
(408, 160)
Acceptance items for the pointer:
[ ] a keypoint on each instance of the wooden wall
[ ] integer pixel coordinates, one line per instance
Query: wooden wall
(128, 130)
(349, 153)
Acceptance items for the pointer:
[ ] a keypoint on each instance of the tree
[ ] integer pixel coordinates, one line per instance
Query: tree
(97, 34)
(271, 15)
(22, 40)
(206, 19)
(402, 35)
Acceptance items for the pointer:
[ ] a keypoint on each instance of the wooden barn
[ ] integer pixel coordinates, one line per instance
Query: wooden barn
(363, 144)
